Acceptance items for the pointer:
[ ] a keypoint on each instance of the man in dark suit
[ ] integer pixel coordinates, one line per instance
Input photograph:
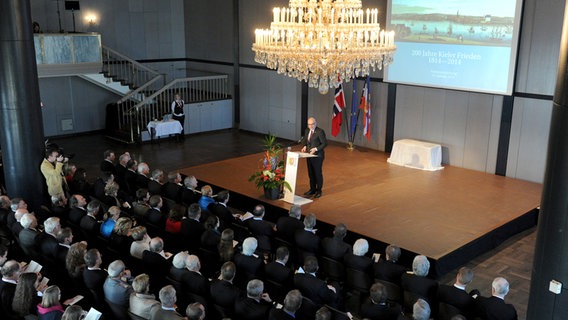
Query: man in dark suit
(286, 227)
(130, 177)
(93, 276)
(416, 284)
(154, 215)
(89, 223)
(10, 275)
(64, 239)
(261, 229)
(256, 305)
(190, 194)
(378, 307)
(249, 265)
(78, 211)
(277, 269)
(388, 269)
(307, 241)
(314, 142)
(155, 185)
(143, 177)
(156, 264)
(334, 247)
(223, 292)
(107, 165)
(222, 211)
(192, 229)
(29, 236)
(173, 188)
(193, 281)
(456, 295)
(494, 307)
(314, 288)
(292, 303)
(100, 184)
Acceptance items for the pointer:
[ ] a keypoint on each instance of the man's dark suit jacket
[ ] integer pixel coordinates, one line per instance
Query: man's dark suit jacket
(48, 246)
(307, 241)
(76, 214)
(250, 309)
(142, 181)
(191, 231)
(248, 268)
(156, 217)
(421, 286)
(189, 196)
(494, 308)
(224, 293)
(29, 241)
(223, 213)
(196, 283)
(457, 298)
(177, 274)
(130, 177)
(335, 248)
(318, 140)
(99, 188)
(263, 231)
(172, 191)
(287, 227)
(107, 166)
(61, 254)
(94, 280)
(361, 263)
(314, 288)
(154, 187)
(279, 314)
(157, 268)
(279, 273)
(385, 310)
(7, 291)
(389, 271)
(16, 228)
(90, 226)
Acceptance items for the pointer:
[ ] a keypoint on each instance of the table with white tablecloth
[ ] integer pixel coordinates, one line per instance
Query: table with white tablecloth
(164, 128)
(416, 154)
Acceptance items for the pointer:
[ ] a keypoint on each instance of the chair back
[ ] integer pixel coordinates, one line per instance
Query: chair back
(446, 311)
(409, 299)
(119, 312)
(333, 269)
(357, 280)
(308, 309)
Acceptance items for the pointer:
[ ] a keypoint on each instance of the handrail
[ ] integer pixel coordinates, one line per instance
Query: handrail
(138, 64)
(139, 89)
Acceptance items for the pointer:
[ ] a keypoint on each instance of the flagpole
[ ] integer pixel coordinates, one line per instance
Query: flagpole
(351, 137)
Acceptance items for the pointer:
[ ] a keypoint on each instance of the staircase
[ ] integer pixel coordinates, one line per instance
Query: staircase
(148, 97)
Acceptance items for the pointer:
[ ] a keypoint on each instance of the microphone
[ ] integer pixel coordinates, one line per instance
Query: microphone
(300, 140)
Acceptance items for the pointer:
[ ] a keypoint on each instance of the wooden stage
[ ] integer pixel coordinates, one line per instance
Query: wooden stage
(451, 215)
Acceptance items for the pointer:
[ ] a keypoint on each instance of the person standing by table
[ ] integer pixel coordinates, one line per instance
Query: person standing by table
(177, 112)
(314, 142)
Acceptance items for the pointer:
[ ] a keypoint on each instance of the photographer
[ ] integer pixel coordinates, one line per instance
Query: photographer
(52, 170)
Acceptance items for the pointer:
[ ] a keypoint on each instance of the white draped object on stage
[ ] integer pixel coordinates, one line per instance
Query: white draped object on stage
(164, 128)
(416, 154)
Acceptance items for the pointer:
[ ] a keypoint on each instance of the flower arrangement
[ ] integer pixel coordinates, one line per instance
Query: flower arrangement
(271, 172)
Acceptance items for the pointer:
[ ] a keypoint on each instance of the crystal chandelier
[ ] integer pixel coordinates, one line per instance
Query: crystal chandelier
(317, 40)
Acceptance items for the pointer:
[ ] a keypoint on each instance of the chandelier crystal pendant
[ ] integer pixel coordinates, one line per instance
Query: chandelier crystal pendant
(317, 40)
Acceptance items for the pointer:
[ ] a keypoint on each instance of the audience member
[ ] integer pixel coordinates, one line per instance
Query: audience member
(29, 236)
(323, 313)
(25, 297)
(357, 260)
(192, 229)
(457, 295)
(223, 292)
(77, 203)
(211, 237)
(221, 210)
(100, 184)
(175, 216)
(141, 206)
(155, 215)
(79, 184)
(50, 308)
(307, 241)
(156, 264)
(226, 245)
(195, 311)
(10, 275)
(167, 310)
(249, 265)
(89, 223)
(121, 236)
(277, 270)
(416, 284)
(172, 188)
(156, 182)
(93, 276)
(141, 301)
(378, 307)
(314, 288)
(189, 194)
(143, 177)
(261, 229)
(141, 242)
(494, 307)
(109, 218)
(178, 269)
(116, 287)
(388, 269)
(107, 165)
(206, 197)
(131, 176)
(193, 281)
(256, 305)
(287, 226)
(75, 260)
(64, 239)
(292, 303)
(73, 312)
(334, 247)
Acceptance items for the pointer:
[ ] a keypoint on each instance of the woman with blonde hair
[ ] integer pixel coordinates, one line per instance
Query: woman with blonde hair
(73, 312)
(121, 235)
(50, 308)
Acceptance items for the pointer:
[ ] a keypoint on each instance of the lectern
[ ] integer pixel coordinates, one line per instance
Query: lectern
(292, 160)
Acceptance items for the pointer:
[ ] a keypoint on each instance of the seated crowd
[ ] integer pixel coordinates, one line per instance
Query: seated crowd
(136, 246)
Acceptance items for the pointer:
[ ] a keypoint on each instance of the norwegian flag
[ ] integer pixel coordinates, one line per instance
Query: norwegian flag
(338, 105)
